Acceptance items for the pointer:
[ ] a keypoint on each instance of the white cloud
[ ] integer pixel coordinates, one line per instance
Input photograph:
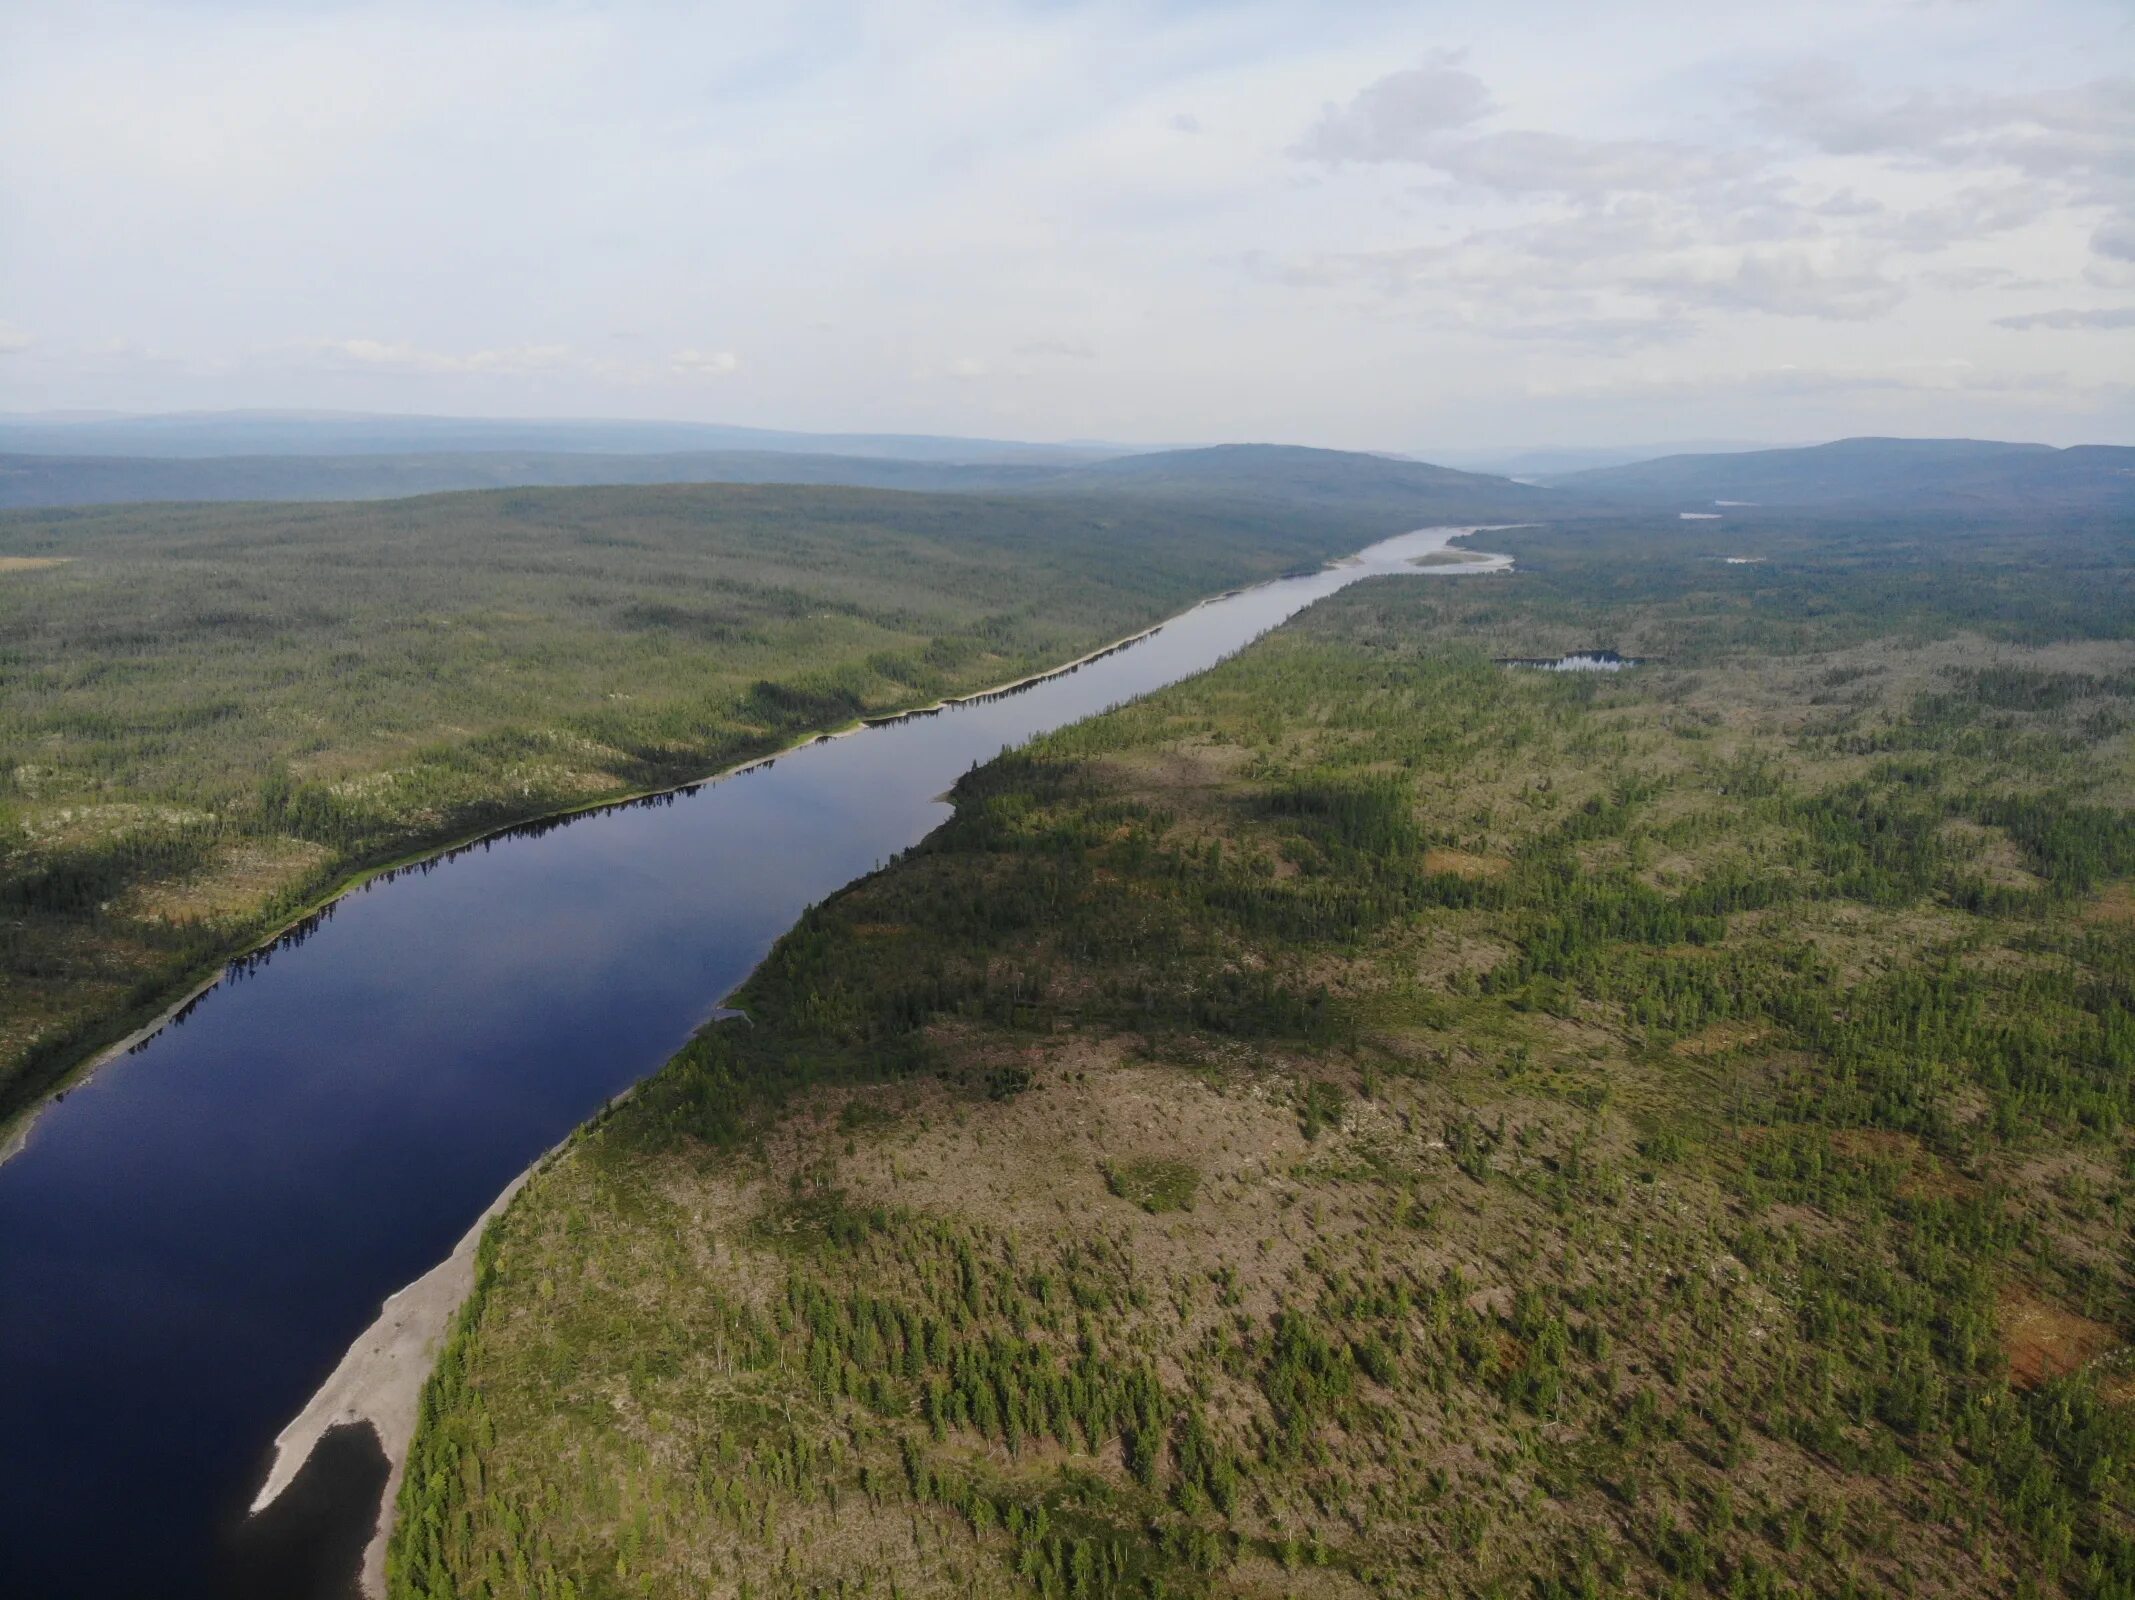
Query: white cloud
(1398, 118)
(1599, 331)
(2074, 130)
(2045, 390)
(1642, 264)
(2115, 240)
(2101, 317)
(1272, 219)
(401, 356)
(1976, 212)
(2072, 146)
(1783, 283)
(1066, 349)
(1534, 162)
(1834, 201)
(705, 363)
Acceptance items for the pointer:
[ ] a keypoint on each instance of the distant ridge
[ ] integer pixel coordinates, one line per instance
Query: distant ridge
(1334, 480)
(1542, 462)
(1927, 474)
(1346, 479)
(334, 433)
(29, 481)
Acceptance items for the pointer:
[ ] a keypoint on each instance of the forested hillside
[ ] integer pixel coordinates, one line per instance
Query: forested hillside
(1257, 476)
(1260, 474)
(1906, 476)
(1373, 1121)
(28, 481)
(211, 715)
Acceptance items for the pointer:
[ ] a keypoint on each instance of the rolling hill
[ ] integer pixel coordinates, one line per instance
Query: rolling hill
(40, 481)
(1540, 463)
(1333, 480)
(1953, 474)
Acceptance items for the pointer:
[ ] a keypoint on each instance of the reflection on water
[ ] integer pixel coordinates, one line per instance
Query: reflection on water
(309, 1544)
(189, 1242)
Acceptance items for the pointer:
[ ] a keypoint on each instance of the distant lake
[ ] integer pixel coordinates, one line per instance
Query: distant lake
(1578, 661)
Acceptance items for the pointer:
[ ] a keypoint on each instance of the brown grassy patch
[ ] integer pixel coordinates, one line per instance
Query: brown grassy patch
(1720, 1038)
(1465, 864)
(32, 563)
(1993, 853)
(1155, 1184)
(1172, 768)
(1926, 1174)
(241, 877)
(1887, 1143)
(2045, 1341)
(2115, 903)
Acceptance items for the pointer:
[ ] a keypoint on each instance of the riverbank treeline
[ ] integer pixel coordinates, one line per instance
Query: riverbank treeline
(212, 715)
(1367, 1121)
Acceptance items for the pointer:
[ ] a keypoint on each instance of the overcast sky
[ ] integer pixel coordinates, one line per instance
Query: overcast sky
(1397, 226)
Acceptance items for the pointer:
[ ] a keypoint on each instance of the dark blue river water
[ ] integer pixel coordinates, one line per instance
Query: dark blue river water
(192, 1238)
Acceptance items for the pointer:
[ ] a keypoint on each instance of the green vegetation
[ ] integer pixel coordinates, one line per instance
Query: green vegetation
(1969, 476)
(211, 716)
(1666, 1133)
(1154, 1184)
(61, 480)
(1411, 491)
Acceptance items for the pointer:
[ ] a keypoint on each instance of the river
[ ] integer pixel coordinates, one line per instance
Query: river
(190, 1239)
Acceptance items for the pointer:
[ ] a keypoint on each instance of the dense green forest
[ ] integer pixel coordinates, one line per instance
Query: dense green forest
(211, 715)
(1370, 1120)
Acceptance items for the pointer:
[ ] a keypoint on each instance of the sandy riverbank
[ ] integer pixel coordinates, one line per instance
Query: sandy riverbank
(380, 1381)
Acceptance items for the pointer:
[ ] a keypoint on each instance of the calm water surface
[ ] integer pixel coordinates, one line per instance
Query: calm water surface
(191, 1239)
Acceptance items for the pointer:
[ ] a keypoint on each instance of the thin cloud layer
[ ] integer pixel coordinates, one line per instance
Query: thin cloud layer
(1402, 117)
(2069, 319)
(706, 363)
(402, 356)
(1373, 225)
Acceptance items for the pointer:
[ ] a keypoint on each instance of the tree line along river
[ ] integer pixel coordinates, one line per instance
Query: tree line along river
(190, 1239)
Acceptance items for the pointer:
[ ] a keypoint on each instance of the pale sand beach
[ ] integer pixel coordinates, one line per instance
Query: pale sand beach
(380, 1382)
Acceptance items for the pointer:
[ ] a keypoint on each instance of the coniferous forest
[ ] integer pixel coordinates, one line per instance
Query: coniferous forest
(1373, 1120)
(212, 716)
